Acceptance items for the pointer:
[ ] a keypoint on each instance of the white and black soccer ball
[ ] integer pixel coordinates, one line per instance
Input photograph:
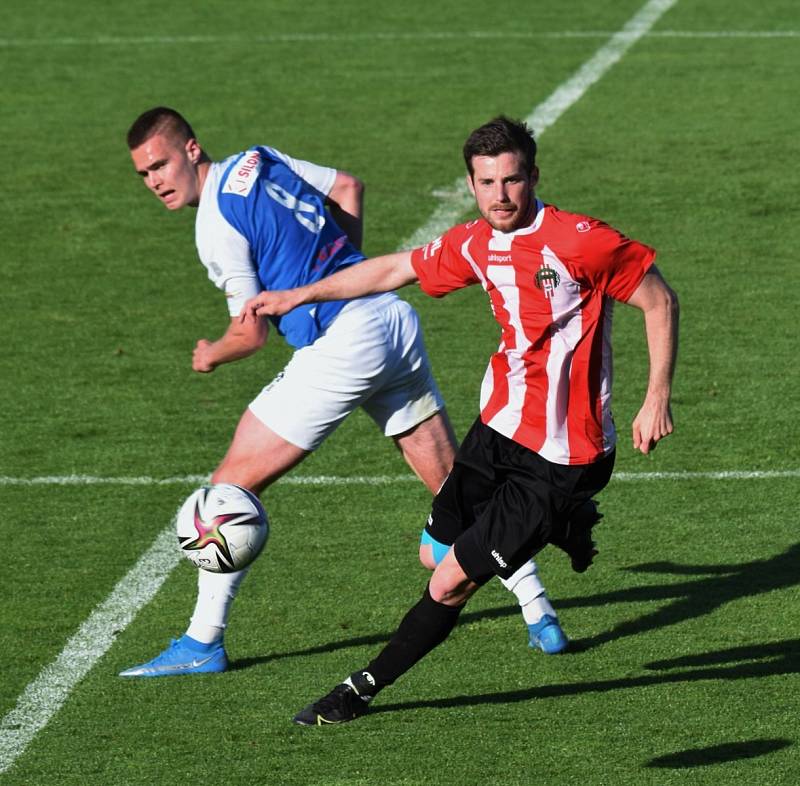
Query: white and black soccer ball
(222, 528)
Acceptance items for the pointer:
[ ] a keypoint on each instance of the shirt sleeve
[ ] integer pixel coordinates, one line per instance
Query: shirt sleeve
(238, 290)
(225, 253)
(441, 267)
(613, 263)
(320, 177)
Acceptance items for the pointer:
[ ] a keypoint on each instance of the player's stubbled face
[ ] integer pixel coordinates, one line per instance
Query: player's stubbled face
(166, 167)
(503, 190)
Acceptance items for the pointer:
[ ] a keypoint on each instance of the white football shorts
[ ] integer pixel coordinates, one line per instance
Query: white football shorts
(371, 356)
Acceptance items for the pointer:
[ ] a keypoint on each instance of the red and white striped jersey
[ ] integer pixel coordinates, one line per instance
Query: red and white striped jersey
(551, 286)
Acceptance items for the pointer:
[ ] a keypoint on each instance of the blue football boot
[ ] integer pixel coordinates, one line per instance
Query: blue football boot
(183, 656)
(547, 636)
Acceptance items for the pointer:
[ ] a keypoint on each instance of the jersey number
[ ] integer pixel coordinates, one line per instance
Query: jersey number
(305, 212)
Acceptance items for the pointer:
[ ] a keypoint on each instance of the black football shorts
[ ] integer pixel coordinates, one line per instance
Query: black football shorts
(502, 502)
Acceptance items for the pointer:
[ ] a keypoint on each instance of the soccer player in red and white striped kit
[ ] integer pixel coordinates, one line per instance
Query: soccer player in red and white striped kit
(544, 442)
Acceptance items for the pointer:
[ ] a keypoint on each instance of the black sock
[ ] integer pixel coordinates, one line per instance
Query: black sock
(424, 627)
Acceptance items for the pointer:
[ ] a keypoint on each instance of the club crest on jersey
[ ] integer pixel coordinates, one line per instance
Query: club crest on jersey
(243, 174)
(547, 279)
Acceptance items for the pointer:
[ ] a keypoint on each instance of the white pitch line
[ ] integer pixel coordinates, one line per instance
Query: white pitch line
(429, 35)
(457, 199)
(183, 480)
(373, 480)
(99, 480)
(725, 34)
(43, 697)
(755, 474)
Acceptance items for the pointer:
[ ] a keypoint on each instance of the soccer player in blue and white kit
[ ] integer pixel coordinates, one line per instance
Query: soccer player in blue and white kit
(268, 221)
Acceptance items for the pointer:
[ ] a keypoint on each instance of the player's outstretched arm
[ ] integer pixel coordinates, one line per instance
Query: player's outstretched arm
(660, 307)
(239, 340)
(380, 274)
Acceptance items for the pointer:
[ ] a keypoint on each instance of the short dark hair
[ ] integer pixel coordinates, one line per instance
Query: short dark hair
(501, 135)
(159, 120)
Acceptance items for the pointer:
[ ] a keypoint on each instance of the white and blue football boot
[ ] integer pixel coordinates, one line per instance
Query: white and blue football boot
(183, 656)
(546, 635)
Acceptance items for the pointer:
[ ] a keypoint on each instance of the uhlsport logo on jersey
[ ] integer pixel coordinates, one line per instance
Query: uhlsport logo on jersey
(243, 174)
(547, 279)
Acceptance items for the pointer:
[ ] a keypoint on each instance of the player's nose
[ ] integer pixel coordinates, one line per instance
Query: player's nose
(501, 193)
(153, 181)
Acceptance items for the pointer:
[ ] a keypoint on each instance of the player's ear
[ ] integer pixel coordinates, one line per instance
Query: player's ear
(193, 150)
(470, 184)
(534, 176)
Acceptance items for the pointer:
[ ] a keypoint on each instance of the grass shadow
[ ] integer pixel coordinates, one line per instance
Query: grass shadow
(752, 662)
(719, 585)
(718, 754)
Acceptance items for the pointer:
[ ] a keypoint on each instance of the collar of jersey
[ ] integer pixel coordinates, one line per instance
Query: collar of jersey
(212, 178)
(528, 230)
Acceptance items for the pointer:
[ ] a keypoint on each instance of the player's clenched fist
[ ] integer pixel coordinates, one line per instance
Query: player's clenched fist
(202, 357)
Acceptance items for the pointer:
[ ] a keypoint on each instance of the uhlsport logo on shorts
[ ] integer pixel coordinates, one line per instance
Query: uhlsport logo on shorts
(500, 561)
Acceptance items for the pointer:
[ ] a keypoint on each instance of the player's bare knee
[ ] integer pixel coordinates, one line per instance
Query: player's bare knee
(429, 449)
(449, 595)
(242, 470)
(449, 584)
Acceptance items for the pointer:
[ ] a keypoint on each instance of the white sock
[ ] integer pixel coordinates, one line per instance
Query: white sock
(215, 594)
(530, 592)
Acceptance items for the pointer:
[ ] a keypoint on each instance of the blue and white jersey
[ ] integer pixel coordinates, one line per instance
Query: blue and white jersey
(262, 224)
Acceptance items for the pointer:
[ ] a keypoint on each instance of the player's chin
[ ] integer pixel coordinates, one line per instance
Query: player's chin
(504, 221)
(172, 201)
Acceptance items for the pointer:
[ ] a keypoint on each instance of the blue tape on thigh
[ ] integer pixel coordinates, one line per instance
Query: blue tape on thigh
(439, 549)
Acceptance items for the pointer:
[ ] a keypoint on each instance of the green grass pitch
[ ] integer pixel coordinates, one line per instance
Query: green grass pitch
(686, 660)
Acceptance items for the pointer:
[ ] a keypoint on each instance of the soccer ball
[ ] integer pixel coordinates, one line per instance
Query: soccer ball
(222, 528)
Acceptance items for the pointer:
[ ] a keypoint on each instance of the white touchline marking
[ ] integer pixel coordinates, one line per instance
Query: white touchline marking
(43, 697)
(456, 200)
(725, 34)
(377, 480)
(755, 474)
(98, 480)
(430, 35)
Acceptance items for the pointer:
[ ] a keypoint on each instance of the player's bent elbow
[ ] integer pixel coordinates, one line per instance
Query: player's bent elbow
(355, 184)
(260, 337)
(663, 302)
(671, 302)
(252, 335)
(347, 188)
